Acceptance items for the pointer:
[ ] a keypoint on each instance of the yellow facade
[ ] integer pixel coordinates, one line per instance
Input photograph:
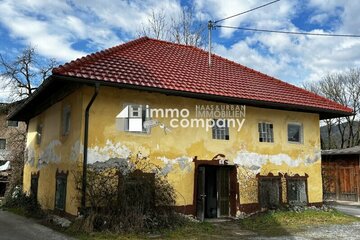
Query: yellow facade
(174, 150)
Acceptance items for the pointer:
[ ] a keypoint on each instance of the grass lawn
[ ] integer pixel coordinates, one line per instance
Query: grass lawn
(277, 223)
(285, 222)
(189, 231)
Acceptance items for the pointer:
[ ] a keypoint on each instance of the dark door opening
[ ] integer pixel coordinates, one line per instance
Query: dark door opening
(213, 191)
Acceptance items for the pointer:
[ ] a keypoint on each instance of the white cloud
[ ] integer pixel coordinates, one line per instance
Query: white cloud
(53, 26)
(6, 92)
(292, 58)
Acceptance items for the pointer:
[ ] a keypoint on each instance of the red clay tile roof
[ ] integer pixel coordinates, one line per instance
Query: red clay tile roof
(158, 64)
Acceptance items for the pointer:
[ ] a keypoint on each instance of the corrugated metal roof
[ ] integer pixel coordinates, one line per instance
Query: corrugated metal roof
(344, 151)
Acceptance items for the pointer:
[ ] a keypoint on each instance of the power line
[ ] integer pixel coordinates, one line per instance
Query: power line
(250, 10)
(289, 32)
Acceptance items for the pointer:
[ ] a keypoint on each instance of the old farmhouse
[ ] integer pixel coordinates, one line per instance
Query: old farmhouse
(264, 153)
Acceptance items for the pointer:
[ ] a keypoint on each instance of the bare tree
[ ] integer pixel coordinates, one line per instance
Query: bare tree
(343, 88)
(25, 72)
(23, 75)
(183, 28)
(156, 26)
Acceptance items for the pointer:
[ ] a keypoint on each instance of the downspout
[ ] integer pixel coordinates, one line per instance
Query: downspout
(86, 136)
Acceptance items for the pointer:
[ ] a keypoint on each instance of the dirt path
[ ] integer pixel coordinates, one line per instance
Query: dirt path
(15, 227)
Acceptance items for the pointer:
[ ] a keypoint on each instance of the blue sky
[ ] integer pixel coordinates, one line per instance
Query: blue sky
(66, 30)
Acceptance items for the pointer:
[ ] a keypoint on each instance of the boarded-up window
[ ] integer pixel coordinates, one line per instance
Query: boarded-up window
(60, 193)
(269, 192)
(220, 129)
(296, 192)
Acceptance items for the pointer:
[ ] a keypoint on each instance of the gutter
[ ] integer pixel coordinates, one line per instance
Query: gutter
(86, 138)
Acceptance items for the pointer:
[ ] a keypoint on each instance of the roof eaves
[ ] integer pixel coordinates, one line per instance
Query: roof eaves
(252, 102)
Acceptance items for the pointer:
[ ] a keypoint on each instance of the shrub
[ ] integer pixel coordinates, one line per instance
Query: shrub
(128, 201)
(23, 204)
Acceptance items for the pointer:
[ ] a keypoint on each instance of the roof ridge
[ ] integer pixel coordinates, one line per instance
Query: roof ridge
(252, 70)
(278, 80)
(96, 55)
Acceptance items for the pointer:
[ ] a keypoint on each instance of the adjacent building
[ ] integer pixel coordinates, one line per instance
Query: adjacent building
(341, 174)
(229, 139)
(12, 140)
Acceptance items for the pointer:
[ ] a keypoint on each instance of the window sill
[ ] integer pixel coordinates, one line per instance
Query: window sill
(296, 143)
(138, 133)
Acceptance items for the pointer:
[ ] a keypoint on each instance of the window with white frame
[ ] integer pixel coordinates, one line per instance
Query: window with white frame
(2, 143)
(220, 129)
(266, 133)
(66, 120)
(294, 131)
(133, 118)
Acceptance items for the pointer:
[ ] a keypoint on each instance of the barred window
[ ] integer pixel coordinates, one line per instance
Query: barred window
(2, 144)
(13, 123)
(34, 185)
(60, 191)
(220, 129)
(269, 192)
(266, 133)
(296, 189)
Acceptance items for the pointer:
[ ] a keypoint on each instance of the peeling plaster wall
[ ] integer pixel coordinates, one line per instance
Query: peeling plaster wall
(55, 151)
(174, 150)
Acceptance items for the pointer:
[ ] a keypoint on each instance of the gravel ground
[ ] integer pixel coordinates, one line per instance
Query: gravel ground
(348, 231)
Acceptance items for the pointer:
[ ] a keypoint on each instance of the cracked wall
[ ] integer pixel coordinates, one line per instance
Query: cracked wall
(175, 150)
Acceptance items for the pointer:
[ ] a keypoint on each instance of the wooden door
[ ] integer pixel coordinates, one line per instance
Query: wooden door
(200, 198)
(347, 184)
(223, 179)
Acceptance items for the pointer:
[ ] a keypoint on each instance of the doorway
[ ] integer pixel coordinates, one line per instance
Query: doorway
(214, 191)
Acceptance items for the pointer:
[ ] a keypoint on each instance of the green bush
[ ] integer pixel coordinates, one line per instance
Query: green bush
(23, 204)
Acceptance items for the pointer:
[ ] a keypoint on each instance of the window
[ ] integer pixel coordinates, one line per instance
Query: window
(136, 118)
(269, 192)
(141, 187)
(220, 129)
(66, 117)
(39, 130)
(295, 132)
(34, 185)
(12, 123)
(296, 192)
(60, 193)
(2, 144)
(266, 133)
